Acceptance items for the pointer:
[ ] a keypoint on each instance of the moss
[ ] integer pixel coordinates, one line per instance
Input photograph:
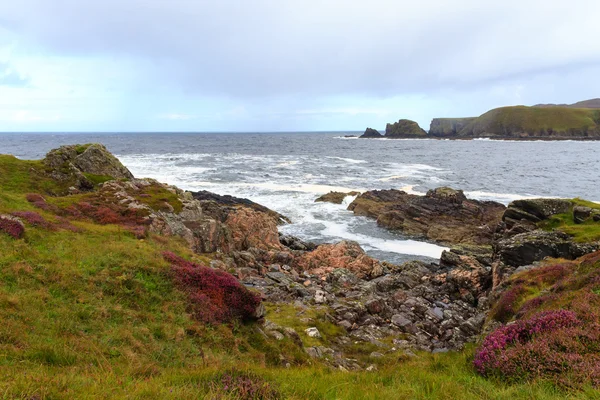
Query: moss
(81, 148)
(159, 198)
(98, 179)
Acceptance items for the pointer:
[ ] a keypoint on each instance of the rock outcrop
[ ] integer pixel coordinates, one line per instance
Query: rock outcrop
(335, 197)
(526, 248)
(444, 215)
(73, 162)
(371, 133)
(404, 128)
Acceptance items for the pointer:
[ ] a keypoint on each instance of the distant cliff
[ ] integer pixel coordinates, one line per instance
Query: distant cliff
(522, 122)
(444, 127)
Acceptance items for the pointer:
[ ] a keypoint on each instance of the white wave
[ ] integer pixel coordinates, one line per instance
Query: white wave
(345, 138)
(411, 247)
(301, 187)
(347, 200)
(350, 160)
(504, 198)
(391, 178)
(288, 163)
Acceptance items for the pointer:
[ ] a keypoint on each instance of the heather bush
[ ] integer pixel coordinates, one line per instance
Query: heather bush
(554, 345)
(11, 226)
(243, 386)
(214, 295)
(38, 201)
(32, 218)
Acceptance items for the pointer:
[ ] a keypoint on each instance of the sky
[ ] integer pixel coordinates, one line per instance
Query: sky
(286, 65)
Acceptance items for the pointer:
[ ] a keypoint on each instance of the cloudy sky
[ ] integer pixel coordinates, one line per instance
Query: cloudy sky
(286, 65)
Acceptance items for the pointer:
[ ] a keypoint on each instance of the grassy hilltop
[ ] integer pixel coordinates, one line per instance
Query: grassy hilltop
(535, 122)
(91, 308)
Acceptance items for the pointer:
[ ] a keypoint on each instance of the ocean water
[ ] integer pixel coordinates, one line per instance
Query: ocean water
(288, 171)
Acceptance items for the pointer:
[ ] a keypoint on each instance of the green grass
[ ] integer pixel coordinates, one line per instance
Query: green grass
(588, 231)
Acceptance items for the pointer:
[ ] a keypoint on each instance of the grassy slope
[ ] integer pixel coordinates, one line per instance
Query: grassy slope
(93, 314)
(534, 121)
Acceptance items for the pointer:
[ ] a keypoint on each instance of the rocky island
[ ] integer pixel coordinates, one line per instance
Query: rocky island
(106, 277)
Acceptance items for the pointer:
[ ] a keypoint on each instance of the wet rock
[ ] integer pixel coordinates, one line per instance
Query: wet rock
(335, 197)
(444, 214)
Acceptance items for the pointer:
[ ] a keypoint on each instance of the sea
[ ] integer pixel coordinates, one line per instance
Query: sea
(288, 171)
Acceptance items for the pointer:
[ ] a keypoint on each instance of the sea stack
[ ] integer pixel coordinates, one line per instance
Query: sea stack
(371, 133)
(404, 128)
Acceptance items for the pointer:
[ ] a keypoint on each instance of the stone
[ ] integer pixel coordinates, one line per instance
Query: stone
(320, 297)
(580, 214)
(313, 332)
(401, 321)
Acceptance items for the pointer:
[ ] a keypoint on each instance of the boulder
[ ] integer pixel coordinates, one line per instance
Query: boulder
(371, 133)
(87, 159)
(581, 214)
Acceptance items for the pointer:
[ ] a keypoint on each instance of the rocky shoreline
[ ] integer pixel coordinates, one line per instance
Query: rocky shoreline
(392, 309)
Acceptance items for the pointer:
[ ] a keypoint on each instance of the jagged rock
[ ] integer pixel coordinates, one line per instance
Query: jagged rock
(335, 197)
(346, 254)
(227, 202)
(526, 248)
(371, 133)
(443, 214)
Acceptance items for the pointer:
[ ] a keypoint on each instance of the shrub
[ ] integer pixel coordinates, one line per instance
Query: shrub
(32, 218)
(243, 386)
(105, 215)
(38, 201)
(554, 344)
(214, 295)
(11, 226)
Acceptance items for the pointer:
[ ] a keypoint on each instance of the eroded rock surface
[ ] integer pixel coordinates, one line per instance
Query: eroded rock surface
(443, 214)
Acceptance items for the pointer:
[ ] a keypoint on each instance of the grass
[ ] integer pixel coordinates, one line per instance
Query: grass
(588, 231)
(95, 314)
